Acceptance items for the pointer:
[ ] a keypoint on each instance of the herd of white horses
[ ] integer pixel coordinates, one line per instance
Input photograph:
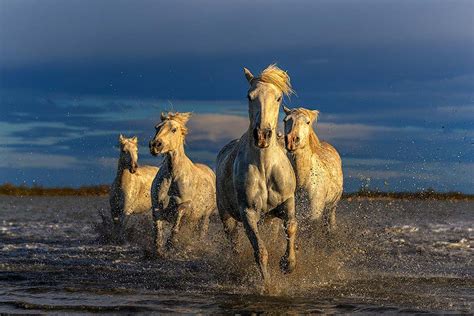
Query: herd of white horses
(296, 178)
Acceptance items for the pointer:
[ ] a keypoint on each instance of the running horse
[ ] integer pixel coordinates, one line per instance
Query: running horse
(318, 168)
(254, 175)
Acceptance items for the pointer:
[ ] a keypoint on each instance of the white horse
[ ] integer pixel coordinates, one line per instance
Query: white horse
(318, 168)
(130, 191)
(254, 175)
(182, 190)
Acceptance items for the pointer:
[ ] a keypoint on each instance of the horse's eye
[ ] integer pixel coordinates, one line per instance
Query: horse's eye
(173, 130)
(279, 99)
(308, 122)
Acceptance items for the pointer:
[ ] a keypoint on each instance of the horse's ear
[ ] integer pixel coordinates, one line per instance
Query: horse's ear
(286, 110)
(135, 139)
(163, 116)
(248, 75)
(314, 115)
(121, 138)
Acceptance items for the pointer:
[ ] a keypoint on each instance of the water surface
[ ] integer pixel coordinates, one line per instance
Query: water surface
(388, 256)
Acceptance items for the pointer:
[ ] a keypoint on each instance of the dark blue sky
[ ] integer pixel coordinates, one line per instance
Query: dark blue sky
(394, 81)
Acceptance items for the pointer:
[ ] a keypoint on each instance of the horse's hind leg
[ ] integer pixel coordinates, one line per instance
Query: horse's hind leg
(287, 213)
(250, 219)
(158, 231)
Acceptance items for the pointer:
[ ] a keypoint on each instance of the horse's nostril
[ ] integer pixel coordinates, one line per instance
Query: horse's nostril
(297, 139)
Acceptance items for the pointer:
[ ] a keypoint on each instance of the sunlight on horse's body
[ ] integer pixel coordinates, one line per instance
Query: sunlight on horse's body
(130, 191)
(254, 175)
(182, 190)
(317, 166)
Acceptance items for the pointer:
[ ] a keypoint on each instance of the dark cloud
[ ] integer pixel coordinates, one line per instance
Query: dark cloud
(34, 31)
(393, 80)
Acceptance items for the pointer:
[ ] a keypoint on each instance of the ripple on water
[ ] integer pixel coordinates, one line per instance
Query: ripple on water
(388, 256)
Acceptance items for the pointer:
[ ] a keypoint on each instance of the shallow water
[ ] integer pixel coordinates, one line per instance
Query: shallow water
(388, 256)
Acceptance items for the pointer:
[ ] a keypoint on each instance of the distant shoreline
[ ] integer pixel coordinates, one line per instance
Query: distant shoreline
(8, 189)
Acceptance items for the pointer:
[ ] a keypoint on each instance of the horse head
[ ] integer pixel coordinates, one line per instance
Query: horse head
(264, 98)
(129, 153)
(170, 133)
(298, 127)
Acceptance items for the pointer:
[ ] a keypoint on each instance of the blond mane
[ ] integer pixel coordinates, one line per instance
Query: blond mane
(181, 118)
(274, 75)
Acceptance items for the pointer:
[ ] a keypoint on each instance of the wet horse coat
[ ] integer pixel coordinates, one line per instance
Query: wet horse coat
(130, 191)
(182, 190)
(254, 175)
(318, 169)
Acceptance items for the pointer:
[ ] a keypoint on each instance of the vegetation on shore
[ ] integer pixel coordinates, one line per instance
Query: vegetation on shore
(103, 190)
(419, 195)
(36, 190)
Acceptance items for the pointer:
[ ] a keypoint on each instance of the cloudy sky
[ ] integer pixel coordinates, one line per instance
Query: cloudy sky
(394, 81)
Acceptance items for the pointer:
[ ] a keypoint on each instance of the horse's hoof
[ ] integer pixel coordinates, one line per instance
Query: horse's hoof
(286, 265)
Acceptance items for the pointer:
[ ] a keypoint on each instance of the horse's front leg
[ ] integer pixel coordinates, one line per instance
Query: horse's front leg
(181, 209)
(158, 231)
(230, 229)
(287, 211)
(250, 220)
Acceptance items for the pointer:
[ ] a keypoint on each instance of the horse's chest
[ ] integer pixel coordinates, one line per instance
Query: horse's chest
(263, 189)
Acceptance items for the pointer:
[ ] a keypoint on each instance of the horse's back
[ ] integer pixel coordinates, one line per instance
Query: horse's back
(330, 155)
(147, 172)
(226, 150)
(137, 187)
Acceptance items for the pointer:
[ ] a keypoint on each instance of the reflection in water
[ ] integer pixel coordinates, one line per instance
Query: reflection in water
(388, 256)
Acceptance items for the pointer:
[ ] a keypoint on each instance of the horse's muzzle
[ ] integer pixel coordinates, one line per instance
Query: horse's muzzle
(262, 137)
(155, 147)
(292, 142)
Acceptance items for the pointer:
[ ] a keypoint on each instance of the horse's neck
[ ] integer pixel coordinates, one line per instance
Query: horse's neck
(120, 169)
(177, 162)
(302, 163)
(124, 176)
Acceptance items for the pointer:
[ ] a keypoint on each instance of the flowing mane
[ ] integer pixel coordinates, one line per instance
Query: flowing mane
(181, 118)
(274, 75)
(314, 142)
